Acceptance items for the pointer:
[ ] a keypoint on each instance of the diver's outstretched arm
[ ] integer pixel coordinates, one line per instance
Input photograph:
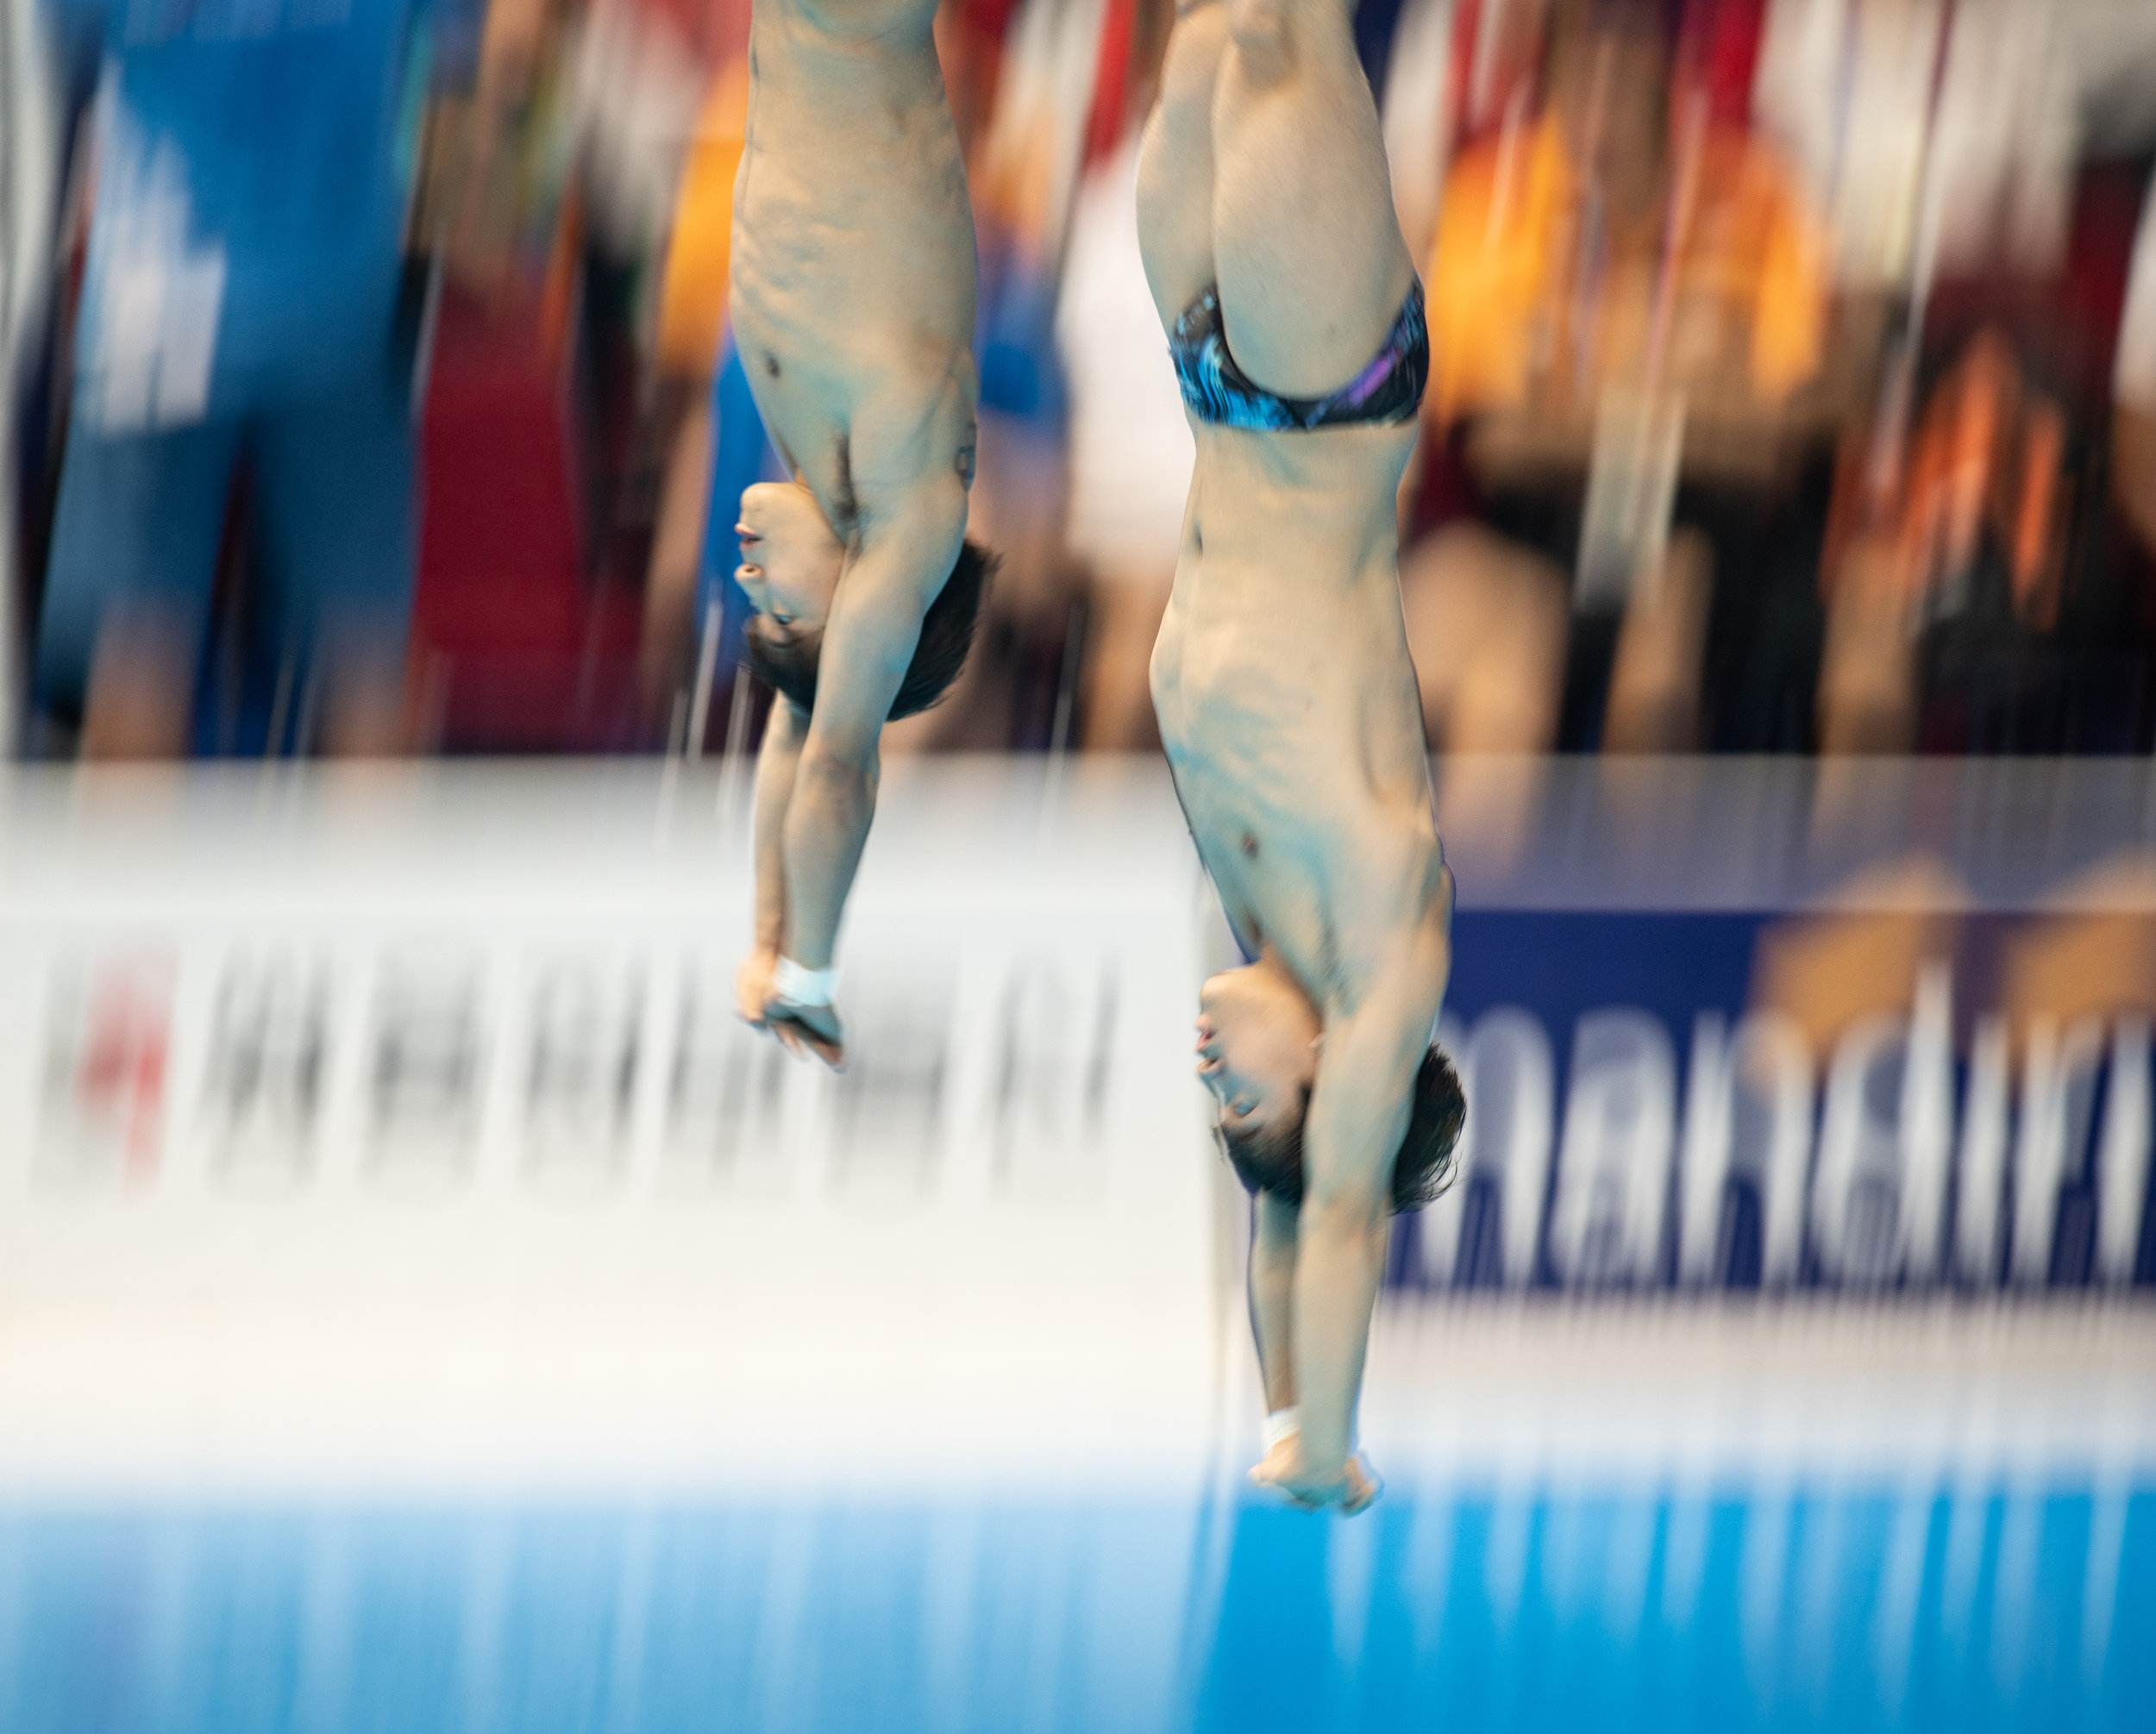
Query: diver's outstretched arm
(903, 558)
(778, 759)
(1272, 1297)
(1358, 1116)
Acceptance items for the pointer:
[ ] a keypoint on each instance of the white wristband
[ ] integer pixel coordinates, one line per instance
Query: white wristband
(1282, 1423)
(800, 986)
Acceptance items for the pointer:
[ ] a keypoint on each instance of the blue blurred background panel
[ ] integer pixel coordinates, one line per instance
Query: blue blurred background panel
(1787, 1608)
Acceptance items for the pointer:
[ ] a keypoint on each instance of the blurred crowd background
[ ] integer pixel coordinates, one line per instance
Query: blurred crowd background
(1794, 382)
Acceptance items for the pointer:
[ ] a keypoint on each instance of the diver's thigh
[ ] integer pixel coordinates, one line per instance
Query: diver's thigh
(1306, 248)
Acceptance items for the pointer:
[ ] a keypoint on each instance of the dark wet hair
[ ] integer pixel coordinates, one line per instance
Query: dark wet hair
(1272, 1161)
(790, 664)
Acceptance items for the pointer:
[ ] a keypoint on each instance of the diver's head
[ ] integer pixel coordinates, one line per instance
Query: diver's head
(789, 572)
(1259, 1042)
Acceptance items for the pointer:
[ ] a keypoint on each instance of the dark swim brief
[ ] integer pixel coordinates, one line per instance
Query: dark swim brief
(1389, 390)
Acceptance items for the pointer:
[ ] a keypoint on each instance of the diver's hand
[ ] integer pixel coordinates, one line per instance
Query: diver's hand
(807, 1029)
(752, 984)
(1352, 1489)
(802, 1029)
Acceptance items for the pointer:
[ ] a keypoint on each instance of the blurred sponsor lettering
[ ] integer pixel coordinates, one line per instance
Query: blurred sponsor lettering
(108, 1036)
(1828, 1135)
(263, 1090)
(427, 1050)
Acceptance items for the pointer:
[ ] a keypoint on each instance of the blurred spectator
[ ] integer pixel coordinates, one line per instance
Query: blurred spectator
(1131, 447)
(238, 309)
(1934, 138)
(30, 152)
(1774, 400)
(1416, 110)
(1975, 535)
(1982, 594)
(552, 193)
(2133, 413)
(1626, 297)
(700, 494)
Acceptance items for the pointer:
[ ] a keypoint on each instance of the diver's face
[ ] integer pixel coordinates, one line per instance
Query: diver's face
(789, 558)
(1258, 1048)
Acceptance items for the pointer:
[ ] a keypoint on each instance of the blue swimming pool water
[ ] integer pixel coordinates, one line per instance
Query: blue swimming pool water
(1917, 1607)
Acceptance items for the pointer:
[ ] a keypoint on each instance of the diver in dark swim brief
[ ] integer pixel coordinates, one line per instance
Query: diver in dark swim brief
(1286, 696)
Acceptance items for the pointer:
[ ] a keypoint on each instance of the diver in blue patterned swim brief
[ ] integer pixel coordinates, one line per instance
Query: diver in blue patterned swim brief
(1286, 700)
(1387, 391)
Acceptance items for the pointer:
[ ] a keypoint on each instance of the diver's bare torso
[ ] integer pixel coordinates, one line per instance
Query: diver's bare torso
(853, 262)
(1289, 711)
(1286, 696)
